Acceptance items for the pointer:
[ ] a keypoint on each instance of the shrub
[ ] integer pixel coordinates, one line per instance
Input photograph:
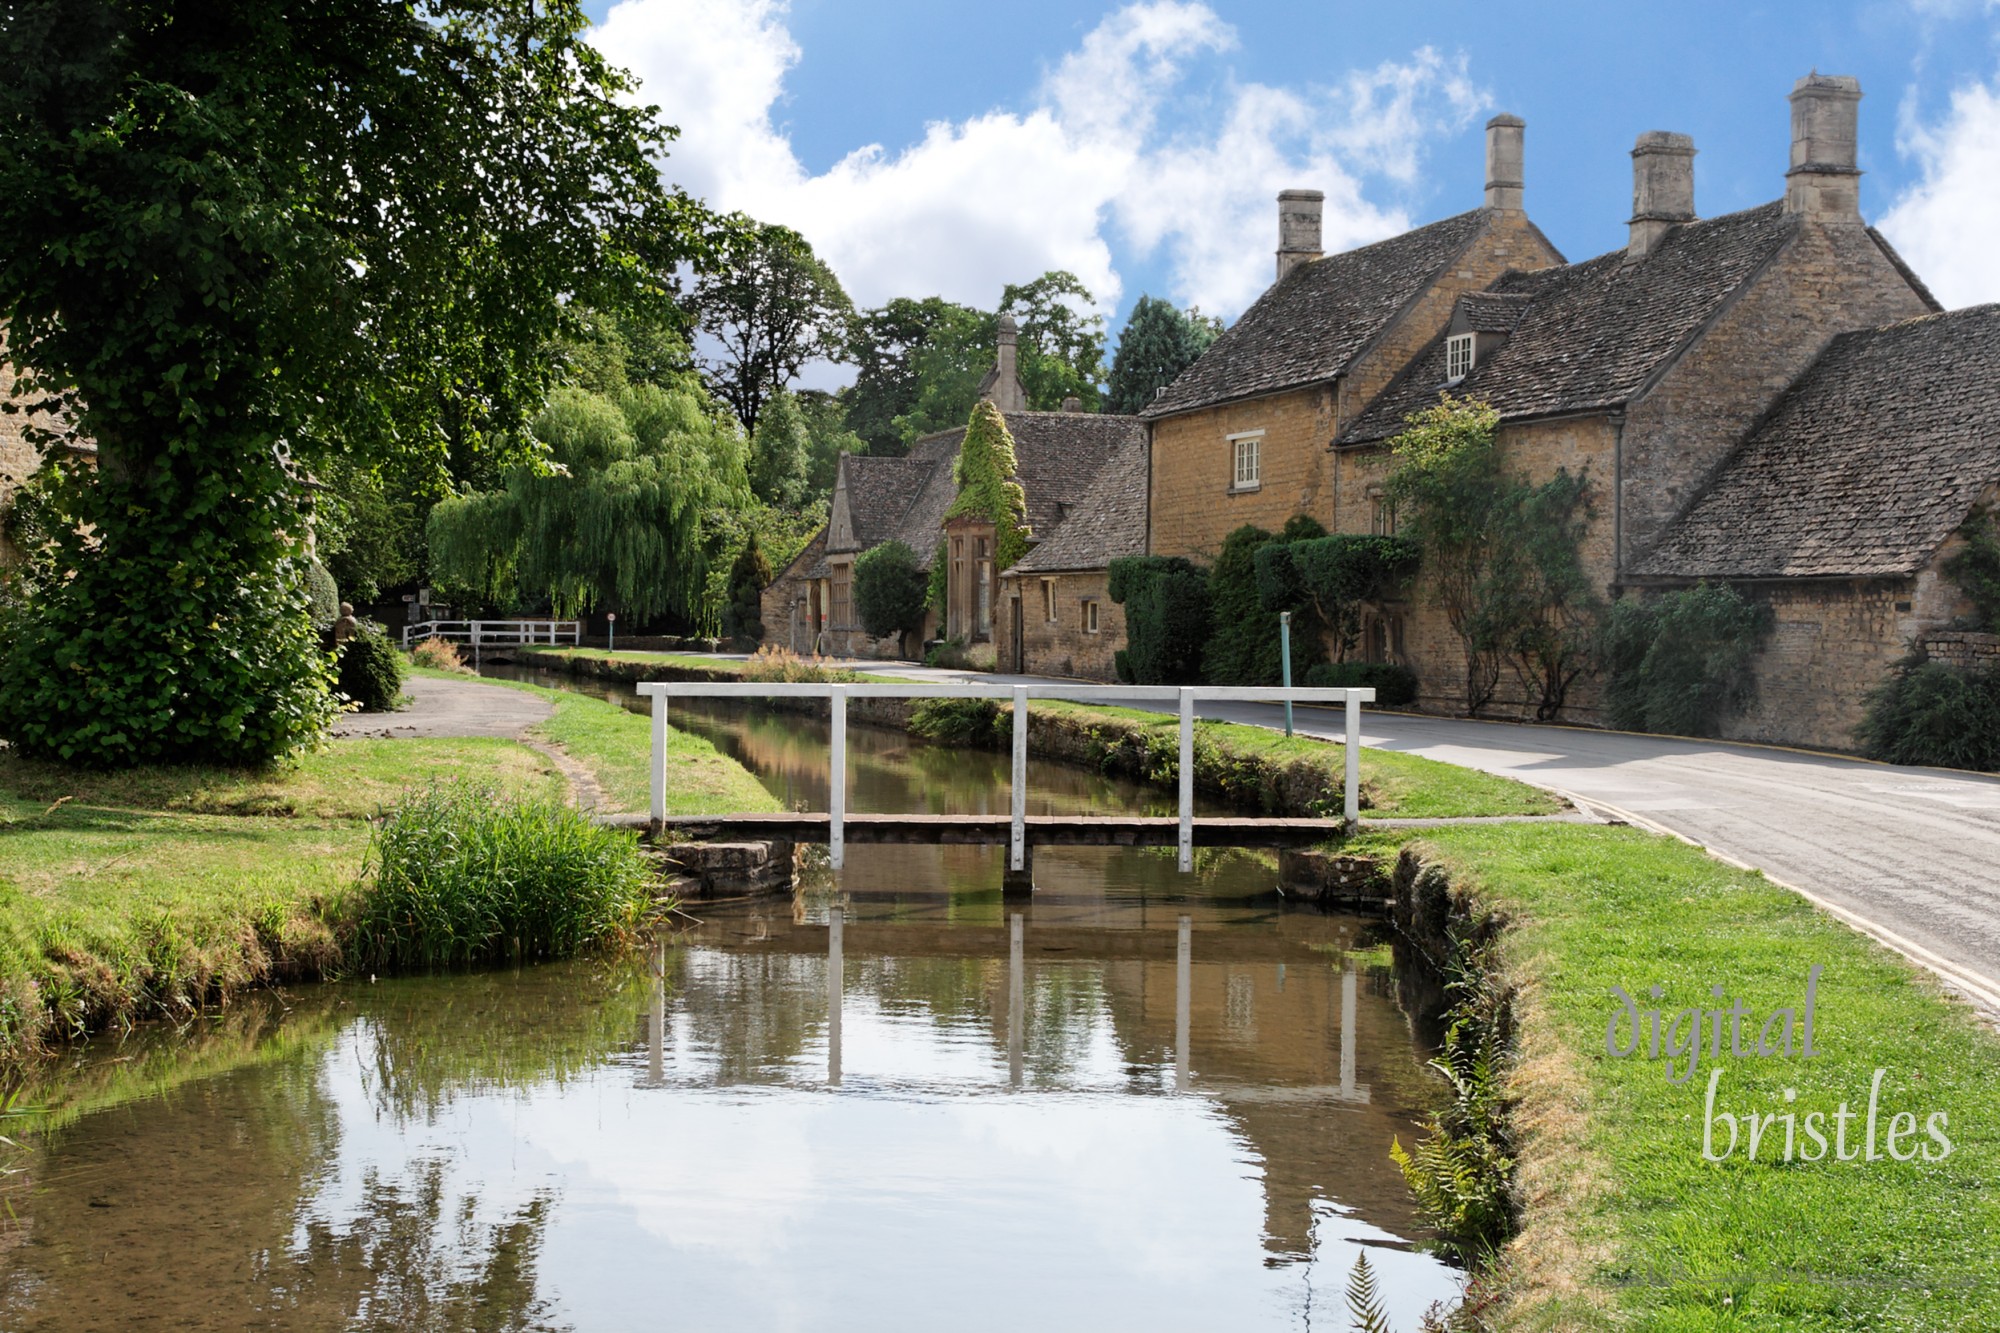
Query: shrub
(1166, 617)
(1680, 662)
(890, 590)
(322, 596)
(1927, 713)
(743, 615)
(1395, 685)
(1243, 646)
(1976, 568)
(781, 665)
(947, 653)
(457, 876)
(370, 672)
(440, 655)
(975, 723)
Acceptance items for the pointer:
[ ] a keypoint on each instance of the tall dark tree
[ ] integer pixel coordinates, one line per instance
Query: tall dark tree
(246, 234)
(772, 307)
(780, 453)
(889, 347)
(1158, 343)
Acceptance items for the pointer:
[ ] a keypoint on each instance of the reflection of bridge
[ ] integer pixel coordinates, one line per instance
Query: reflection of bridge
(1018, 831)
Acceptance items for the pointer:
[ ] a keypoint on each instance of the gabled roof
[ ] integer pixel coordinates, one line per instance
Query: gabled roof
(878, 493)
(1108, 521)
(1863, 468)
(1308, 327)
(1593, 334)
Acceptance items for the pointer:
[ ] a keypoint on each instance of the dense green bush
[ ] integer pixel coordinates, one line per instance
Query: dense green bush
(1395, 685)
(1927, 713)
(743, 613)
(1976, 568)
(370, 672)
(975, 723)
(890, 590)
(1335, 577)
(1679, 663)
(322, 595)
(459, 876)
(1167, 619)
(1244, 647)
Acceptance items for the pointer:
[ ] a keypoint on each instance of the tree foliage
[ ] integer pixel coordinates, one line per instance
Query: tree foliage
(1061, 349)
(1501, 555)
(749, 575)
(1244, 648)
(772, 306)
(1679, 662)
(1167, 618)
(1157, 344)
(1975, 568)
(249, 235)
(1931, 714)
(613, 520)
(984, 474)
(780, 452)
(890, 590)
(1336, 578)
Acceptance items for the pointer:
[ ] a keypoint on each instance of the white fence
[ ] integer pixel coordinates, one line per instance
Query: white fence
(495, 633)
(837, 696)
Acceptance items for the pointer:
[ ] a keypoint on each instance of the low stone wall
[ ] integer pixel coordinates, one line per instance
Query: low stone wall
(1962, 649)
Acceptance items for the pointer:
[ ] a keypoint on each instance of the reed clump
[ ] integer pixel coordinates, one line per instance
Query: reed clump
(458, 876)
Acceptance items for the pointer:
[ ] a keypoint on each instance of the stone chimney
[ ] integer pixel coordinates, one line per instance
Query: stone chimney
(1072, 404)
(1823, 180)
(1505, 146)
(1003, 387)
(1662, 189)
(1298, 228)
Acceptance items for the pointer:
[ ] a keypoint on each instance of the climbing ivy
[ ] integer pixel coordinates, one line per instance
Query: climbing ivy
(1976, 568)
(984, 474)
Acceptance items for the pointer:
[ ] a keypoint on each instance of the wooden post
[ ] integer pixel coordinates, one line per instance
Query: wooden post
(1353, 783)
(1017, 836)
(1187, 780)
(659, 760)
(836, 987)
(836, 838)
(1016, 1000)
(1183, 1001)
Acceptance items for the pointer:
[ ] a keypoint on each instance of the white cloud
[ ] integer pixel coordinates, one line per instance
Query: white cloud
(1005, 195)
(1941, 223)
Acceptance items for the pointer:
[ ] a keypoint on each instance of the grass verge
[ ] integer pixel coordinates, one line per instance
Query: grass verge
(1626, 1222)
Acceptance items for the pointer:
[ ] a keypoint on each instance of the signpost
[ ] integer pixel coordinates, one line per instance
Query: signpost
(610, 631)
(1285, 652)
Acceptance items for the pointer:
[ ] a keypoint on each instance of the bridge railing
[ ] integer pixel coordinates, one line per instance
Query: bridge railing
(496, 633)
(662, 691)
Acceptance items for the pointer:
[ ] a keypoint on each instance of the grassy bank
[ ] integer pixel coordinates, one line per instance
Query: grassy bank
(1626, 1223)
(154, 891)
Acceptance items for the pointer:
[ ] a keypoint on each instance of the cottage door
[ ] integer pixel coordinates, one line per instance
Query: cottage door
(1020, 653)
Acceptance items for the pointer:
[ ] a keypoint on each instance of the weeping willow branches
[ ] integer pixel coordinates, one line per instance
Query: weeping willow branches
(612, 517)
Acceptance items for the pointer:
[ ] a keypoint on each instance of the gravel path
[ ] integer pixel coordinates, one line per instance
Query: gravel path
(451, 708)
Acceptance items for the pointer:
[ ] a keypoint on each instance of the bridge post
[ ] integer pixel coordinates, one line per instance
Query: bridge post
(1018, 791)
(1349, 994)
(656, 1036)
(836, 991)
(1187, 780)
(1183, 1001)
(1353, 783)
(836, 838)
(1016, 1000)
(659, 760)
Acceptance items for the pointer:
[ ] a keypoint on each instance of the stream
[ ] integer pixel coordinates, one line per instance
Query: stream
(1137, 1099)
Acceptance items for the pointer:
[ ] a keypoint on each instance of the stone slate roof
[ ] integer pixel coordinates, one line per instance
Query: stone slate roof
(1057, 455)
(1107, 522)
(1492, 312)
(1308, 327)
(1594, 333)
(1862, 469)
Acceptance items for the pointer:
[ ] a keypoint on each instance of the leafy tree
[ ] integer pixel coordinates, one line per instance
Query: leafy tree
(947, 370)
(1157, 344)
(749, 575)
(1501, 555)
(1244, 647)
(887, 346)
(617, 519)
(780, 535)
(773, 306)
(780, 452)
(251, 235)
(826, 429)
(984, 474)
(1334, 579)
(890, 590)
(1061, 352)
(370, 535)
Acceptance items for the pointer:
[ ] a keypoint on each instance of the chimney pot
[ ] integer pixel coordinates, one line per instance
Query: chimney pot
(1004, 385)
(1072, 404)
(1505, 149)
(1823, 179)
(1298, 228)
(1662, 189)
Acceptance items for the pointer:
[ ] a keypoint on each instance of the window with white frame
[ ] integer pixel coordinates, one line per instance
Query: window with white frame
(1247, 449)
(1090, 615)
(1458, 356)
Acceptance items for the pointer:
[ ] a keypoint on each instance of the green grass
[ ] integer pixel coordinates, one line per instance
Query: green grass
(685, 661)
(1627, 1225)
(1398, 785)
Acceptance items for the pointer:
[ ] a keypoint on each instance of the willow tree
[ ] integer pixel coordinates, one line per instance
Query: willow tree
(611, 516)
(245, 238)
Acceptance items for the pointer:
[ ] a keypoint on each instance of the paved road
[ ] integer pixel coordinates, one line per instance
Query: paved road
(450, 708)
(1913, 853)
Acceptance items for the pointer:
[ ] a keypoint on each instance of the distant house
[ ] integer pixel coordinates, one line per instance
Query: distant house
(1074, 467)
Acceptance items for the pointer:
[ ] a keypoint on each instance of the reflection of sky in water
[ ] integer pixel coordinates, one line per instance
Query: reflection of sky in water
(921, 1194)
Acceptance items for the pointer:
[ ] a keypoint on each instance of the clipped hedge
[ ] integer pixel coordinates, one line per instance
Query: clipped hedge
(1395, 685)
(370, 672)
(1167, 617)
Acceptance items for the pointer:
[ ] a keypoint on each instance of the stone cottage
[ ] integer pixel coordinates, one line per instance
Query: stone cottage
(1071, 464)
(19, 457)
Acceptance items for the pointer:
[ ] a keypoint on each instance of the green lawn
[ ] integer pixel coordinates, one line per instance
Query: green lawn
(1396, 785)
(1627, 1225)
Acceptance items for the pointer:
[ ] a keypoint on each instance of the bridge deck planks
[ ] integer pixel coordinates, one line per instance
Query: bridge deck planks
(1040, 830)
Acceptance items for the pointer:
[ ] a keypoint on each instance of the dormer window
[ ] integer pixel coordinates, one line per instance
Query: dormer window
(1458, 354)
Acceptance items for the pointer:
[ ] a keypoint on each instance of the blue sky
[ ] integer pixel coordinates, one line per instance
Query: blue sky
(951, 148)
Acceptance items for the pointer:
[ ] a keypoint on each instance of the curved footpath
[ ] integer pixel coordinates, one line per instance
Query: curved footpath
(1910, 856)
